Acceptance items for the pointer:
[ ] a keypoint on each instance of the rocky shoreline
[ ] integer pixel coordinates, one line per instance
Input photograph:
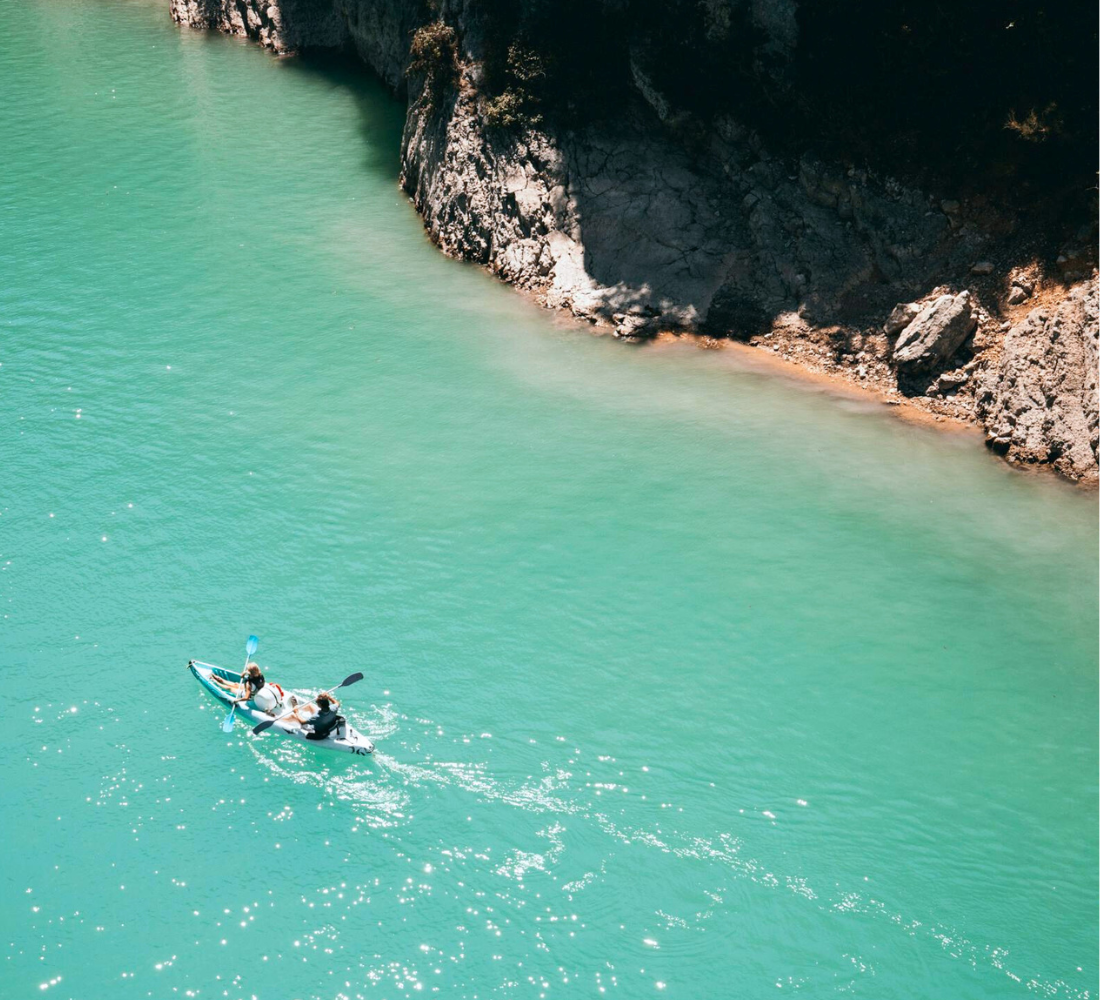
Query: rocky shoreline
(655, 226)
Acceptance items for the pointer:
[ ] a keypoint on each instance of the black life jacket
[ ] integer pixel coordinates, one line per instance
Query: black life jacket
(323, 723)
(255, 684)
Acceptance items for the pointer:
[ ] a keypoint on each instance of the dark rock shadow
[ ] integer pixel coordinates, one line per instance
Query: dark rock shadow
(381, 112)
(716, 234)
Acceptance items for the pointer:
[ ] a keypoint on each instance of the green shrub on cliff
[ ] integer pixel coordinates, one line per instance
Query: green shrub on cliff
(505, 110)
(519, 103)
(434, 53)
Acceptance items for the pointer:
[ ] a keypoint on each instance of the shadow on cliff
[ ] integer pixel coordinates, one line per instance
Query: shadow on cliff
(719, 236)
(711, 232)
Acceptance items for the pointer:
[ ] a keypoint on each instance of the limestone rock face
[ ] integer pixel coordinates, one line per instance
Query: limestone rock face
(650, 220)
(380, 32)
(626, 223)
(1039, 401)
(282, 25)
(935, 334)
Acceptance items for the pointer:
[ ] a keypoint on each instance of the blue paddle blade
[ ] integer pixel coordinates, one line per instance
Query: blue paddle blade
(250, 648)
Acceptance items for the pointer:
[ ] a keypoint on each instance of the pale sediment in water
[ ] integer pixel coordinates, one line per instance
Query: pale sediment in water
(882, 400)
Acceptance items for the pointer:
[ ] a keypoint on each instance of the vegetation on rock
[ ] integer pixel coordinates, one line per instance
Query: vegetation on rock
(518, 104)
(434, 53)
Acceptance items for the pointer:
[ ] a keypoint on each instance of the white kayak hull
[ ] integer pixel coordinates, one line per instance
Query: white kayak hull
(350, 740)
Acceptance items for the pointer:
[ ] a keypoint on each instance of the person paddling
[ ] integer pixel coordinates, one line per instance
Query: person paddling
(325, 720)
(266, 697)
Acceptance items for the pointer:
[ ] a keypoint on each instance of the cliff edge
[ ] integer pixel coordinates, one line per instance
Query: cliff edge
(592, 154)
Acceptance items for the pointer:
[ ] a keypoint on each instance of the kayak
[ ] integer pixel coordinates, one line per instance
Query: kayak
(350, 739)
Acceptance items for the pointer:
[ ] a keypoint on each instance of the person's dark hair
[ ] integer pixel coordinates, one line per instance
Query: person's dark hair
(324, 701)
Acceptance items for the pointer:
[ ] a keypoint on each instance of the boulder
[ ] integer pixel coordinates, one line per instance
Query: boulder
(900, 317)
(1018, 295)
(935, 334)
(947, 383)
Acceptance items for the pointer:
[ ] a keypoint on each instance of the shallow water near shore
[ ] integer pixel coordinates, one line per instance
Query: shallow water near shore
(686, 681)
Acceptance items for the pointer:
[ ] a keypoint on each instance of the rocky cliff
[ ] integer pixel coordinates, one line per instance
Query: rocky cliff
(589, 173)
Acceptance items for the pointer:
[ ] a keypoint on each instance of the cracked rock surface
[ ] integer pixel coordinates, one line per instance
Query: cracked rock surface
(1039, 401)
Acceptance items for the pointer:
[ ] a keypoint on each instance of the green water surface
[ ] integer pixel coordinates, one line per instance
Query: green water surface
(686, 682)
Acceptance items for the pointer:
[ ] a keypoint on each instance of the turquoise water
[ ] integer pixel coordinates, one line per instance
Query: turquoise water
(686, 681)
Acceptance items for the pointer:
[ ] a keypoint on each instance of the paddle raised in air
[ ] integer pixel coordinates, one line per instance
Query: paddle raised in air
(250, 646)
(346, 682)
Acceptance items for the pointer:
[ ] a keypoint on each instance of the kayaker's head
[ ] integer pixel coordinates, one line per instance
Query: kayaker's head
(252, 670)
(324, 702)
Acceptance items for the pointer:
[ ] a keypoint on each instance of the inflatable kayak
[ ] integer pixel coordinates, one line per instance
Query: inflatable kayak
(349, 739)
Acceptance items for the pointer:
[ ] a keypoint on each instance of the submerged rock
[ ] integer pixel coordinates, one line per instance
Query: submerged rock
(935, 334)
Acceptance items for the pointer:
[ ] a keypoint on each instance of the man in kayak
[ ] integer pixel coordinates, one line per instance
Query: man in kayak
(266, 697)
(325, 719)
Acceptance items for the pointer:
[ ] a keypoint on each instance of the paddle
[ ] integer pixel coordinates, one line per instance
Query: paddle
(346, 682)
(250, 646)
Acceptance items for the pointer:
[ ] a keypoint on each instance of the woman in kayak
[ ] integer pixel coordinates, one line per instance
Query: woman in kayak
(266, 697)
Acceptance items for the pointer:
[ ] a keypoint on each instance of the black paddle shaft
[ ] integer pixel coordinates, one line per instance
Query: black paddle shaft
(346, 682)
